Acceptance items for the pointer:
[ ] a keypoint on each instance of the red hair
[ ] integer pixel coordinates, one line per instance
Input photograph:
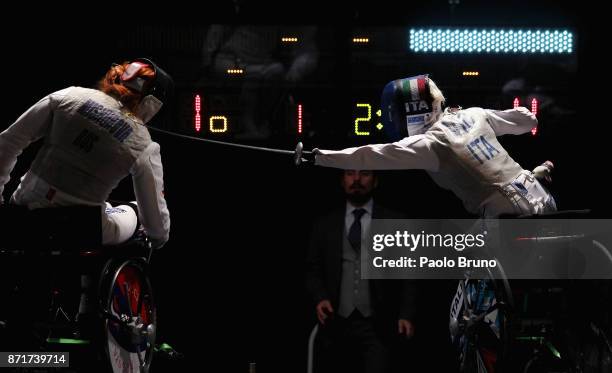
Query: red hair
(111, 84)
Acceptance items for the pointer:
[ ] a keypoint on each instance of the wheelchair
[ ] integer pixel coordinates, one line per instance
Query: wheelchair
(117, 333)
(489, 319)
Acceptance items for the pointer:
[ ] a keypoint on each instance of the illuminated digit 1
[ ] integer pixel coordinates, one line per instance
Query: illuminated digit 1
(534, 110)
(299, 118)
(360, 133)
(212, 124)
(197, 118)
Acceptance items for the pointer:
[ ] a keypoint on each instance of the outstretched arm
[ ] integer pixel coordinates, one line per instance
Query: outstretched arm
(414, 152)
(511, 122)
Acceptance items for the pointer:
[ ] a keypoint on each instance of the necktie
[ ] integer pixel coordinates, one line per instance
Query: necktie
(354, 235)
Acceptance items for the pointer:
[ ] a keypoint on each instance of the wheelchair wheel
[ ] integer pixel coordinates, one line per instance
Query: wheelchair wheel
(480, 327)
(130, 316)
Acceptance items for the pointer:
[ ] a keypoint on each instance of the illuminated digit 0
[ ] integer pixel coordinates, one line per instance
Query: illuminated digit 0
(361, 119)
(212, 124)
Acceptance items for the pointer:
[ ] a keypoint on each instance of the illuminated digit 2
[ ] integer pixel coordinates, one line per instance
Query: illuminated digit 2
(361, 119)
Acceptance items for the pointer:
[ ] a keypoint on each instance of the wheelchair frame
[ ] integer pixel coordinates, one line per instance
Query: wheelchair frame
(125, 316)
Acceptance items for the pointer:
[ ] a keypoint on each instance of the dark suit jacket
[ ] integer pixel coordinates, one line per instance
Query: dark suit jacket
(390, 299)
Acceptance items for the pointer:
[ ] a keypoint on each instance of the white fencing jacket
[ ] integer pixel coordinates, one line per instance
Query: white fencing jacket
(461, 153)
(91, 142)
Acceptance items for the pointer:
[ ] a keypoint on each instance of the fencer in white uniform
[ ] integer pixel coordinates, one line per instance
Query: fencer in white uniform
(92, 139)
(457, 147)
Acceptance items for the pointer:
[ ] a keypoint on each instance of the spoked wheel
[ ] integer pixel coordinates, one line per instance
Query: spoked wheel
(130, 317)
(480, 324)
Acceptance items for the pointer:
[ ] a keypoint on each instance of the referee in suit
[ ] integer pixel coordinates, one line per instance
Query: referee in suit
(359, 318)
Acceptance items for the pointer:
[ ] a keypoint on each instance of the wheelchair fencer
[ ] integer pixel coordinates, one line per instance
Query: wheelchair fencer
(112, 316)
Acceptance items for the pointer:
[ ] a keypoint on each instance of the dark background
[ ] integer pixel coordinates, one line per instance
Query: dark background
(229, 283)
